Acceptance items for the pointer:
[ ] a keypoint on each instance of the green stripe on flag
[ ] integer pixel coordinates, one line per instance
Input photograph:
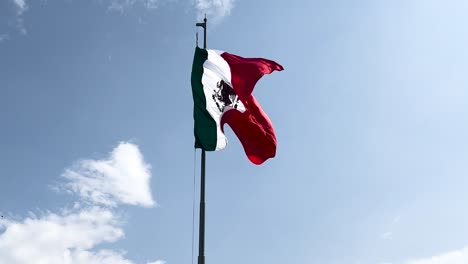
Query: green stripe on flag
(205, 129)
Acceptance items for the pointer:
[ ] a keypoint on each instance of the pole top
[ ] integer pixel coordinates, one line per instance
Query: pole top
(203, 25)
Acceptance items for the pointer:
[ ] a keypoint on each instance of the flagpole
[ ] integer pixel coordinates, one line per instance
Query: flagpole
(201, 234)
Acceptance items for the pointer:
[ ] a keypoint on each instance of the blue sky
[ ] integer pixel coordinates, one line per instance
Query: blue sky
(370, 113)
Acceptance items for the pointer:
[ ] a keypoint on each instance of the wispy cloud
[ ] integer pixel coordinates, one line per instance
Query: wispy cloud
(452, 257)
(20, 25)
(121, 5)
(72, 235)
(158, 262)
(21, 6)
(121, 178)
(4, 37)
(215, 9)
(386, 235)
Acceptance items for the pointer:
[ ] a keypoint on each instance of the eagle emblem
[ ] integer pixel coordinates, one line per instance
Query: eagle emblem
(225, 96)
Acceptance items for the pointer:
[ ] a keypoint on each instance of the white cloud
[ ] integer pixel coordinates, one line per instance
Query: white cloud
(452, 257)
(64, 238)
(122, 178)
(158, 262)
(72, 235)
(214, 9)
(21, 6)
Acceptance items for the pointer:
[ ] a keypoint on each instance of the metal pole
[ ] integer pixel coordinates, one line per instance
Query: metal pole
(204, 35)
(201, 234)
(201, 238)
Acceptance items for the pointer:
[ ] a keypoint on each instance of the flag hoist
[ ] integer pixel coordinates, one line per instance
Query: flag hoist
(222, 86)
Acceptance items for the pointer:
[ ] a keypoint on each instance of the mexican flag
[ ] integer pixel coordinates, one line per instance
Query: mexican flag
(222, 85)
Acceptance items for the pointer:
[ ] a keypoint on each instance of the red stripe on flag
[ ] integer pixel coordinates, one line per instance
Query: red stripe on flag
(245, 72)
(254, 130)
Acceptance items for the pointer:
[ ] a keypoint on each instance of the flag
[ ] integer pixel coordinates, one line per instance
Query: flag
(222, 85)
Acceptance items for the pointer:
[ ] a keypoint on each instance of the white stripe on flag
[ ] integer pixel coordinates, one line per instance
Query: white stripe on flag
(215, 69)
